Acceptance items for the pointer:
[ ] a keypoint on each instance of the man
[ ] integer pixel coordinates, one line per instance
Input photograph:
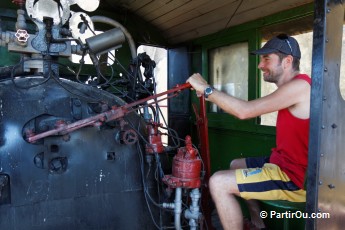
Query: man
(280, 176)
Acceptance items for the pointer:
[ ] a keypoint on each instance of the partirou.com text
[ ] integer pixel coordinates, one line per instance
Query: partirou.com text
(293, 214)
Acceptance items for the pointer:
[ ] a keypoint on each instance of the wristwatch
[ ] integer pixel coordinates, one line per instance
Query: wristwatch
(208, 91)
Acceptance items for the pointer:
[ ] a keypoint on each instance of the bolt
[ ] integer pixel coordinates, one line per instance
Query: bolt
(77, 103)
(58, 165)
(66, 137)
(331, 186)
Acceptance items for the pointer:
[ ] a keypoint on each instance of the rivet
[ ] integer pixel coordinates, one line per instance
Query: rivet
(331, 186)
(319, 210)
(323, 127)
(328, 10)
(334, 126)
(324, 98)
(325, 69)
(77, 103)
(327, 40)
(321, 154)
(320, 182)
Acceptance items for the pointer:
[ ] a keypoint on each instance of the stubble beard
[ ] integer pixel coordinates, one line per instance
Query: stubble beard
(273, 76)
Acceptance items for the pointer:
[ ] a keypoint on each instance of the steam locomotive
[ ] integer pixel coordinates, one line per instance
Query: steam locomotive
(73, 154)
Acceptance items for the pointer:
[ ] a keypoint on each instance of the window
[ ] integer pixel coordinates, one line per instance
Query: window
(342, 68)
(229, 71)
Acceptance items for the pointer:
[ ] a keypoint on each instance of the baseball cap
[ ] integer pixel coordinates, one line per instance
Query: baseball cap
(282, 43)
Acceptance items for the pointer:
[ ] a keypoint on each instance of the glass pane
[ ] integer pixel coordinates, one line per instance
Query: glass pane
(305, 41)
(342, 67)
(229, 70)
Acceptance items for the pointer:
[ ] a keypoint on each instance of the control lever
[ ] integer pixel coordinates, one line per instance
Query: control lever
(111, 115)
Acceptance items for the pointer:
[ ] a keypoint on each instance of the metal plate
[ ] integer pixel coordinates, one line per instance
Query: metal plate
(326, 170)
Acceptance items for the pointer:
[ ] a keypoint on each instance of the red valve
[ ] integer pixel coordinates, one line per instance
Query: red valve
(186, 168)
(154, 144)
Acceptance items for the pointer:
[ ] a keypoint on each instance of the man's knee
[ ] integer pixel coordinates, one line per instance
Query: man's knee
(214, 182)
(223, 182)
(238, 164)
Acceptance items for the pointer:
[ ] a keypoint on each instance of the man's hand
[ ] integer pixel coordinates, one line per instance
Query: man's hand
(198, 83)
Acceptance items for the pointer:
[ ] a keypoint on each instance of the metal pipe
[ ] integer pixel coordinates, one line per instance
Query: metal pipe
(114, 23)
(193, 213)
(178, 208)
(104, 42)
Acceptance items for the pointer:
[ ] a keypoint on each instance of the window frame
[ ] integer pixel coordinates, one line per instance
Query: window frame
(224, 120)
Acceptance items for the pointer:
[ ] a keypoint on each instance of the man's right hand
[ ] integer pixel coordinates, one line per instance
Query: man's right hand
(198, 83)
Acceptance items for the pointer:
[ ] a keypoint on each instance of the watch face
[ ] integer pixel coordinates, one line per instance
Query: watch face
(208, 91)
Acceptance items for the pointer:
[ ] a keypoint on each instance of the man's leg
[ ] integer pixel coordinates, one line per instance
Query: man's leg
(253, 205)
(223, 188)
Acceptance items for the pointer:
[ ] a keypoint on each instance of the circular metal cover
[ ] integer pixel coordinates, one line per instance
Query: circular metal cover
(58, 10)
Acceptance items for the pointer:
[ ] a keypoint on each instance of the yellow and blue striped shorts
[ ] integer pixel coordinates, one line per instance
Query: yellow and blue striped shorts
(268, 183)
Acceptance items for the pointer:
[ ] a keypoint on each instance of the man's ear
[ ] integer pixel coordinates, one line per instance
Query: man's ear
(288, 60)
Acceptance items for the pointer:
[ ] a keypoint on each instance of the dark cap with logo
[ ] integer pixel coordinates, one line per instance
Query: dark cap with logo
(281, 43)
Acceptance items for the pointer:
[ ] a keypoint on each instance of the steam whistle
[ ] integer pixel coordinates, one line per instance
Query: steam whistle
(186, 168)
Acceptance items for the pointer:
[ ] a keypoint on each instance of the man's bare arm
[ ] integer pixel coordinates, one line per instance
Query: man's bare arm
(288, 95)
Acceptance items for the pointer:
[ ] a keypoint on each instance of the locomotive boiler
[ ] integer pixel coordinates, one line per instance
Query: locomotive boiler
(87, 179)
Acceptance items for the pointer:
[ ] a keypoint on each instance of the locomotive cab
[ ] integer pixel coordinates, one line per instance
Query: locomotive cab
(99, 129)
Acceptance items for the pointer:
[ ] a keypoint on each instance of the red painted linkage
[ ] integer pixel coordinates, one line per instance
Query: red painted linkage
(113, 114)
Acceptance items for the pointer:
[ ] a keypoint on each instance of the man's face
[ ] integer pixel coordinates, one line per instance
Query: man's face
(271, 67)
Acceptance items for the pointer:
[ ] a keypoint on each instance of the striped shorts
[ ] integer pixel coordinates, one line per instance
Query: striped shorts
(267, 183)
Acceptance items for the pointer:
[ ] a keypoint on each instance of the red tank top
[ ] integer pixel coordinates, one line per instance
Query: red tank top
(291, 152)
